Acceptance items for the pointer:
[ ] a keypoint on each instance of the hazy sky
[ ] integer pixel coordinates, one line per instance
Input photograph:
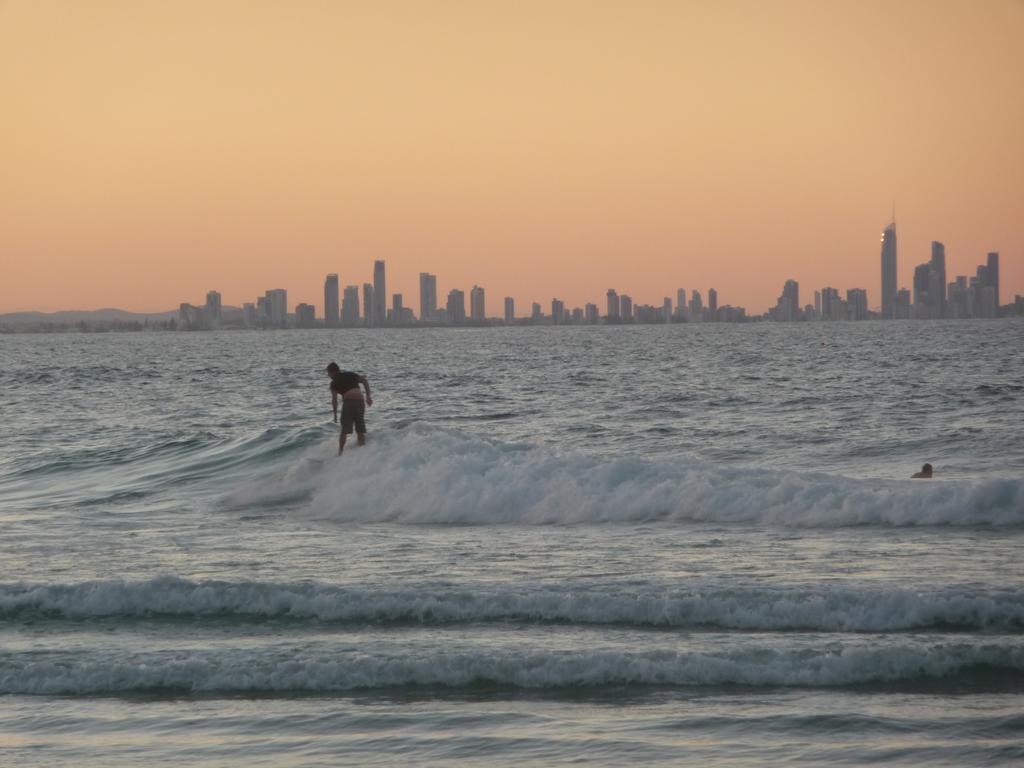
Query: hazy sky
(150, 151)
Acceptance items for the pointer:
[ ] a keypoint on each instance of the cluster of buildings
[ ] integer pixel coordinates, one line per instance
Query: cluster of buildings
(932, 297)
(369, 305)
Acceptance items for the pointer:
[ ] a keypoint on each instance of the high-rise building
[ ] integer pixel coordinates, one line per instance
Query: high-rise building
(857, 303)
(277, 307)
(428, 297)
(305, 315)
(397, 309)
(889, 285)
(536, 316)
(262, 311)
(787, 308)
(832, 306)
(331, 301)
(712, 304)
(213, 307)
(477, 310)
(591, 314)
(557, 312)
(613, 306)
(380, 294)
(350, 306)
(696, 307)
(817, 305)
(937, 280)
(982, 294)
(666, 309)
(993, 276)
(681, 301)
(456, 307)
(510, 310)
(368, 305)
(922, 279)
(902, 308)
(626, 308)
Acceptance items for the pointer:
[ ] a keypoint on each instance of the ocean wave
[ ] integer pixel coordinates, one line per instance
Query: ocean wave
(292, 672)
(430, 475)
(109, 474)
(824, 609)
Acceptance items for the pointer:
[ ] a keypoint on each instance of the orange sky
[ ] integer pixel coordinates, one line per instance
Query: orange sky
(150, 151)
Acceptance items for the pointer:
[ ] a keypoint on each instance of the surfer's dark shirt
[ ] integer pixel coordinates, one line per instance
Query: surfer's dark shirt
(343, 381)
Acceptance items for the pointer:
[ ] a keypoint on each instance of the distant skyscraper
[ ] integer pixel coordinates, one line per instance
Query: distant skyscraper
(666, 309)
(305, 316)
(510, 310)
(213, 307)
(535, 314)
(456, 307)
(857, 303)
(696, 307)
(787, 308)
(591, 314)
(557, 312)
(902, 309)
(922, 273)
(832, 306)
(993, 276)
(368, 305)
(277, 307)
(613, 305)
(331, 301)
(397, 309)
(350, 306)
(889, 284)
(477, 310)
(937, 280)
(712, 304)
(626, 308)
(428, 298)
(380, 294)
(680, 301)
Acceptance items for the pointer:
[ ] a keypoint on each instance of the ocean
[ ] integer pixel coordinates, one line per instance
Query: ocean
(634, 545)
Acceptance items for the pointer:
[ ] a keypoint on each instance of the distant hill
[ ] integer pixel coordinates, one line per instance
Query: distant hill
(77, 316)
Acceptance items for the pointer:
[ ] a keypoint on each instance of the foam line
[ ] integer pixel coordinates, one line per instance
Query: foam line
(198, 672)
(827, 608)
(427, 475)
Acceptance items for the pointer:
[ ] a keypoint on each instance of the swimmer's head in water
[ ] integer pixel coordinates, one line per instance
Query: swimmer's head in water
(927, 468)
(333, 368)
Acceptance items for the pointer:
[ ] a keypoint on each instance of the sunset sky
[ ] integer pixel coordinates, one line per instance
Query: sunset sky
(154, 150)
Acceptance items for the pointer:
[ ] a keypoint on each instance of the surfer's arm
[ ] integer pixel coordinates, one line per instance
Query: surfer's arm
(334, 403)
(366, 386)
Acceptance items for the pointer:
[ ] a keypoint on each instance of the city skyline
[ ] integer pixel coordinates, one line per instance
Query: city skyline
(564, 144)
(931, 297)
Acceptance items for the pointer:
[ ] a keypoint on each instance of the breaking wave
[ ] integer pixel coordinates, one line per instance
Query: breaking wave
(427, 475)
(824, 609)
(344, 670)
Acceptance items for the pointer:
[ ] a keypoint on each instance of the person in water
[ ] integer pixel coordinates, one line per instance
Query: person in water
(353, 406)
(926, 472)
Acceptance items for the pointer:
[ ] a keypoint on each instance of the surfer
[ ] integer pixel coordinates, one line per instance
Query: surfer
(925, 473)
(353, 406)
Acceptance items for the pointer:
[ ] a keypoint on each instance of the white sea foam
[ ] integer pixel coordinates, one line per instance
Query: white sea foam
(344, 670)
(826, 608)
(427, 475)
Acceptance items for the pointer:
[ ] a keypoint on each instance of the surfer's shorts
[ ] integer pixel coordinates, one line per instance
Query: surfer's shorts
(352, 415)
